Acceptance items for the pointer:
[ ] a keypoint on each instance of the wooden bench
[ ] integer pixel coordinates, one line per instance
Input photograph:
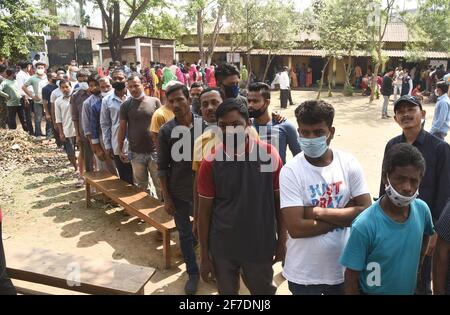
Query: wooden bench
(74, 273)
(135, 202)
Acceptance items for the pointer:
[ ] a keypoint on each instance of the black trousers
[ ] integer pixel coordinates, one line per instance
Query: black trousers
(28, 116)
(14, 111)
(125, 170)
(284, 96)
(6, 286)
(290, 98)
(257, 276)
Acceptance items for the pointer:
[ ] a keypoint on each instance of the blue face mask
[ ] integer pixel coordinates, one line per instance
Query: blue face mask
(315, 147)
(231, 91)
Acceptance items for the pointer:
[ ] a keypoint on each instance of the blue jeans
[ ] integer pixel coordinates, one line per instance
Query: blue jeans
(316, 289)
(184, 209)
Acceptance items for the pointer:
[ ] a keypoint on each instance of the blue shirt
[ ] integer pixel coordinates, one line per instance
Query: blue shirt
(110, 122)
(388, 251)
(87, 119)
(47, 92)
(280, 135)
(441, 120)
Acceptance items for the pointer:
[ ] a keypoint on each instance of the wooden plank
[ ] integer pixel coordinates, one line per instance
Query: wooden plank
(88, 195)
(63, 270)
(166, 248)
(134, 201)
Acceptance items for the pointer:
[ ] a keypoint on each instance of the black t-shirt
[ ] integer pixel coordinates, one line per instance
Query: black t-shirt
(243, 223)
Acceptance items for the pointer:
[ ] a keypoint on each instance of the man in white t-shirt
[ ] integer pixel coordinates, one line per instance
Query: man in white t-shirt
(63, 118)
(321, 190)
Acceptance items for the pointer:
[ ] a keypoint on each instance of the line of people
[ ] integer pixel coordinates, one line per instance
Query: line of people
(253, 208)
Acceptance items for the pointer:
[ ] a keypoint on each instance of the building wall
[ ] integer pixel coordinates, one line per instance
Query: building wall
(72, 32)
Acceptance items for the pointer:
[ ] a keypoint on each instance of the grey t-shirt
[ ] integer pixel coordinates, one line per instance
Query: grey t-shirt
(138, 114)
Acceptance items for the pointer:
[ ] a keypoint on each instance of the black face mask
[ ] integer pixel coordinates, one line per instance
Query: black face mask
(196, 106)
(257, 113)
(118, 85)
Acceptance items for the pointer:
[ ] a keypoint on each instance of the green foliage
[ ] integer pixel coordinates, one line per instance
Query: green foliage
(155, 23)
(348, 90)
(267, 25)
(342, 27)
(429, 28)
(20, 24)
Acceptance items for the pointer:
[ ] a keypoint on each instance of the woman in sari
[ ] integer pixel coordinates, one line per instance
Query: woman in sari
(294, 81)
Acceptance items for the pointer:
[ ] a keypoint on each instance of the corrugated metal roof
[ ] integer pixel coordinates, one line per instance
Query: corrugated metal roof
(316, 52)
(219, 49)
(428, 54)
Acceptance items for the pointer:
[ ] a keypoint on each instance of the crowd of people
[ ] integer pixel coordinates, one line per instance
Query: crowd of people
(204, 150)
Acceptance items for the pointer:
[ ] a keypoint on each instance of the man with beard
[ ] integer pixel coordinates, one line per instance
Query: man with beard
(279, 134)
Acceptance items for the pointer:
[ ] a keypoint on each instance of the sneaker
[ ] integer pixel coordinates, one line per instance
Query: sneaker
(191, 285)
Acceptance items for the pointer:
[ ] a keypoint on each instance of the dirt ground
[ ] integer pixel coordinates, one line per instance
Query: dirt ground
(42, 208)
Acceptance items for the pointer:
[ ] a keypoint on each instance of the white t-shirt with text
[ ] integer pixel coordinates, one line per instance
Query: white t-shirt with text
(315, 260)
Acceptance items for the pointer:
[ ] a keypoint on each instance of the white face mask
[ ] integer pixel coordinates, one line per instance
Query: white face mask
(398, 199)
(140, 96)
(83, 85)
(40, 71)
(106, 93)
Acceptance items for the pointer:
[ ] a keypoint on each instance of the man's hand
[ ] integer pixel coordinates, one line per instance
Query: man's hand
(169, 206)
(48, 117)
(277, 117)
(62, 137)
(123, 157)
(26, 102)
(36, 99)
(109, 153)
(100, 154)
(431, 245)
(311, 213)
(280, 253)
(207, 270)
(78, 140)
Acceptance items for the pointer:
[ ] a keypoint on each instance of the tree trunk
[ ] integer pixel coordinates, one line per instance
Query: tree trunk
(348, 71)
(249, 67)
(374, 82)
(82, 21)
(215, 36)
(269, 62)
(321, 78)
(53, 11)
(200, 37)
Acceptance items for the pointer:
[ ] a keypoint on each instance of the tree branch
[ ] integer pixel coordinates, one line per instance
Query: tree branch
(133, 16)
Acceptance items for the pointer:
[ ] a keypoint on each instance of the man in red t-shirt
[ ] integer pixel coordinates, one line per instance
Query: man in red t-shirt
(6, 286)
(239, 207)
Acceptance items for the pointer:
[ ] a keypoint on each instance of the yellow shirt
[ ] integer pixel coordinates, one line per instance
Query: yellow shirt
(160, 117)
(206, 143)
